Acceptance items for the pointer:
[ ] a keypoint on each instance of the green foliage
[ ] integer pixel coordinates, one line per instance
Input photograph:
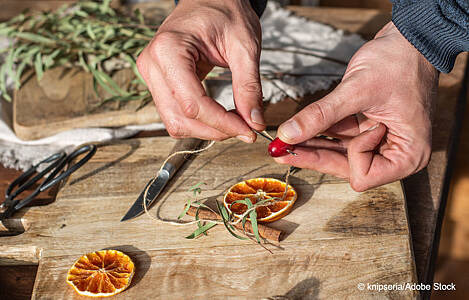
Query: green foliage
(227, 216)
(86, 34)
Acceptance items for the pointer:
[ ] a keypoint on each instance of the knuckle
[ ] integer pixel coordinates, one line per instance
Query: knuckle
(174, 128)
(190, 109)
(316, 112)
(161, 45)
(163, 38)
(253, 87)
(421, 160)
(357, 185)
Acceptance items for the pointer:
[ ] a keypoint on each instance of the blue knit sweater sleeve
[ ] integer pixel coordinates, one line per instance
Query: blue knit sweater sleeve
(257, 5)
(439, 29)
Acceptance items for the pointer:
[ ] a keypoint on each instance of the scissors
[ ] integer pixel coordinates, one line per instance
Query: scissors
(55, 173)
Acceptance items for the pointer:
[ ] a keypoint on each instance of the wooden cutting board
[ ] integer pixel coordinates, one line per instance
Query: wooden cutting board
(335, 238)
(64, 99)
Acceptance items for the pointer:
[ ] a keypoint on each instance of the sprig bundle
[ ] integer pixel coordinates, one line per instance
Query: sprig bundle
(227, 218)
(87, 35)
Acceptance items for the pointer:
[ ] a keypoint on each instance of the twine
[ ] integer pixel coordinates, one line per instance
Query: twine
(182, 223)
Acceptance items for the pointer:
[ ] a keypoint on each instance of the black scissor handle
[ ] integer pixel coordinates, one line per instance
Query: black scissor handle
(22, 181)
(91, 149)
(51, 179)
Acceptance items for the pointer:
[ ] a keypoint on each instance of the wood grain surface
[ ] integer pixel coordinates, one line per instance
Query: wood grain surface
(336, 238)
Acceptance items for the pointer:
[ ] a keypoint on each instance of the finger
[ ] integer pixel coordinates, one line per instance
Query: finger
(177, 65)
(327, 143)
(320, 115)
(247, 89)
(367, 167)
(345, 128)
(177, 125)
(322, 160)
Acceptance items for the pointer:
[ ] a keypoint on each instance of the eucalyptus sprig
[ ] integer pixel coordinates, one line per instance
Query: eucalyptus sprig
(86, 34)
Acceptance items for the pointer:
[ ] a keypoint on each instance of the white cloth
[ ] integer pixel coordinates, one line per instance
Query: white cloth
(280, 29)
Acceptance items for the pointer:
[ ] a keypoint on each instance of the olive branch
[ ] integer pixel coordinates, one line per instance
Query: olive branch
(87, 35)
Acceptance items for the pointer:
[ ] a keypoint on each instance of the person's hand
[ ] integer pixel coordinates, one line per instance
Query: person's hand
(380, 113)
(197, 36)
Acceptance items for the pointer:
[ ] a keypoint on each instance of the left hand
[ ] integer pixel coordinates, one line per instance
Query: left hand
(380, 113)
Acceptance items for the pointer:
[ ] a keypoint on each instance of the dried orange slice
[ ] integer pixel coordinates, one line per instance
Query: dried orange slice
(258, 189)
(101, 274)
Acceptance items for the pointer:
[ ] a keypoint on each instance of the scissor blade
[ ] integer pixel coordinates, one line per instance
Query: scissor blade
(152, 190)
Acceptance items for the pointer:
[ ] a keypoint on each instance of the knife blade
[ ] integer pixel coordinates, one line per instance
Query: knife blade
(154, 187)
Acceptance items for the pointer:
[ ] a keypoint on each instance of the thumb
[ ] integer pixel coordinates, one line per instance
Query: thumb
(320, 115)
(247, 89)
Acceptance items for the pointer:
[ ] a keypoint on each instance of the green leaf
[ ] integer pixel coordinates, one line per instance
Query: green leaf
(225, 218)
(6, 30)
(49, 59)
(244, 222)
(90, 32)
(19, 72)
(33, 37)
(186, 208)
(122, 99)
(107, 82)
(38, 66)
(253, 219)
(81, 13)
(3, 83)
(133, 65)
(139, 16)
(82, 62)
(30, 54)
(196, 188)
(201, 230)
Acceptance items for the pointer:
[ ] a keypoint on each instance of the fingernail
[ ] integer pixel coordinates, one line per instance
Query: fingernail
(257, 117)
(245, 138)
(373, 127)
(290, 129)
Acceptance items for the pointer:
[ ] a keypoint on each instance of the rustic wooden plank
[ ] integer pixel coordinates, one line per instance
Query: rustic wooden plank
(319, 270)
(335, 239)
(16, 283)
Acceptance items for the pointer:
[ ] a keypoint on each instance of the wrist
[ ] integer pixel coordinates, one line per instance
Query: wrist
(391, 31)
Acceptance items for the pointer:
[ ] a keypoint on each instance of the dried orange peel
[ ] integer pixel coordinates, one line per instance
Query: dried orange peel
(258, 189)
(101, 274)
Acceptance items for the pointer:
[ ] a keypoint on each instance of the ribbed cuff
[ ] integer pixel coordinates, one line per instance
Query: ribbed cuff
(424, 25)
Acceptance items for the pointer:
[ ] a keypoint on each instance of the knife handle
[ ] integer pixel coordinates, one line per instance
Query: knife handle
(183, 145)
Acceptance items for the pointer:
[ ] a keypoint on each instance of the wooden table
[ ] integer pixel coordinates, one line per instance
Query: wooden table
(426, 191)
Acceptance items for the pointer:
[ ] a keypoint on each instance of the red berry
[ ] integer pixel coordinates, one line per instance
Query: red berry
(278, 148)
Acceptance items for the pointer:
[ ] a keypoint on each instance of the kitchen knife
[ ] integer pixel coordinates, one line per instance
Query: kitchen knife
(156, 185)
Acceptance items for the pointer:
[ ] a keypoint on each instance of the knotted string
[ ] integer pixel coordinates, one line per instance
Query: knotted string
(183, 223)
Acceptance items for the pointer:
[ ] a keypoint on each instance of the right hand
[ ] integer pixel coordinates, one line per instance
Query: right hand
(198, 35)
